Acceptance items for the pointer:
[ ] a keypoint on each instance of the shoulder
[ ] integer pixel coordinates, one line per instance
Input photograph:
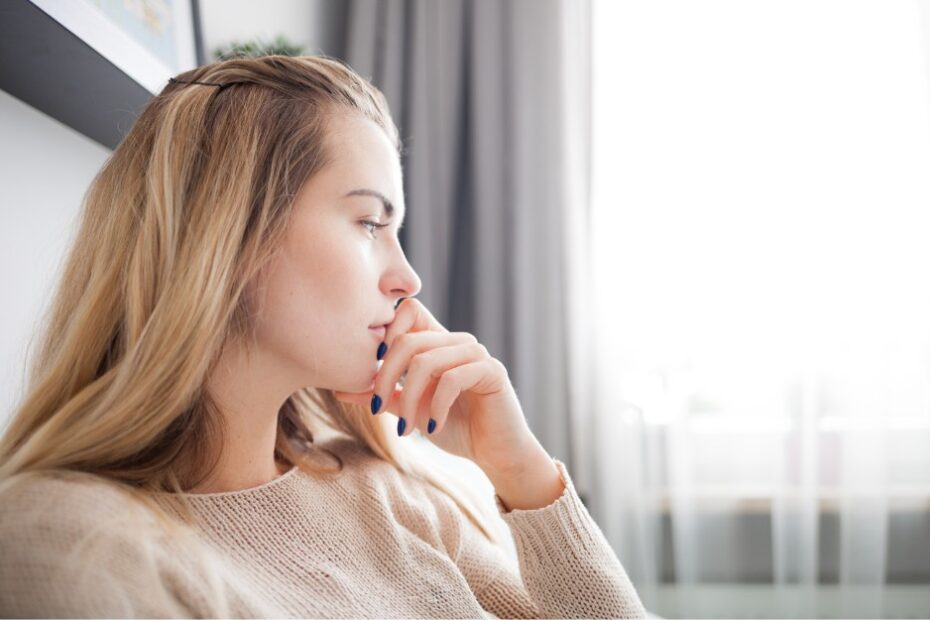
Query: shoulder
(65, 502)
(36, 486)
(55, 513)
(75, 543)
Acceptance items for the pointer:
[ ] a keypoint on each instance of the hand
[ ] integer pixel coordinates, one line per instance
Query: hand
(450, 378)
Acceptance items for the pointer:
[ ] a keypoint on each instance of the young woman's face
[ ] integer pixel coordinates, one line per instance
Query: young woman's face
(336, 275)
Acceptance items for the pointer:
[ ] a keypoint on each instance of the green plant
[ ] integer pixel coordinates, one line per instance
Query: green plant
(256, 47)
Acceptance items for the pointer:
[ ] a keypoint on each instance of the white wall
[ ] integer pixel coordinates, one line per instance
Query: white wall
(45, 168)
(317, 24)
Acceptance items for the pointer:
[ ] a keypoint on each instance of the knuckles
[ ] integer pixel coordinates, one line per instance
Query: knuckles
(404, 343)
(419, 363)
(401, 342)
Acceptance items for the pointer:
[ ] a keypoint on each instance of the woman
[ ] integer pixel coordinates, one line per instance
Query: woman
(233, 289)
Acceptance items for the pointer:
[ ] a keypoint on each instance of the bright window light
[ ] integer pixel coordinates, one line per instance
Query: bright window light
(761, 188)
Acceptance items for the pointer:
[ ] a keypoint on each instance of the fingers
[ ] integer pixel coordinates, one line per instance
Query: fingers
(455, 381)
(400, 355)
(411, 316)
(423, 374)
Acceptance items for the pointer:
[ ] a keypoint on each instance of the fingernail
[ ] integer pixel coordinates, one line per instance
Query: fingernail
(398, 302)
(431, 426)
(375, 404)
(382, 349)
(401, 425)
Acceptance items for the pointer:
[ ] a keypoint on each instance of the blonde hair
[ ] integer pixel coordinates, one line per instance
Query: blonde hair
(179, 221)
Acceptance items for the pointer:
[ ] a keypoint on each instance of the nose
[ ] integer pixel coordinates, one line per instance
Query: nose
(401, 280)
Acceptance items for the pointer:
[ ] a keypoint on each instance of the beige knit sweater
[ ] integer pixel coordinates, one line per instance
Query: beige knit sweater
(373, 543)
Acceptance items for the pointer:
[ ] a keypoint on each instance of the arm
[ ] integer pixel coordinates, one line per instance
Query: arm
(568, 568)
(536, 484)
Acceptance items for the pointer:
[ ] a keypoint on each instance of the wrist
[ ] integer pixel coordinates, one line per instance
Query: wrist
(533, 482)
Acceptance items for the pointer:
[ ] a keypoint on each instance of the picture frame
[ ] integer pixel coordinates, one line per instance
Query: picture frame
(93, 64)
(149, 40)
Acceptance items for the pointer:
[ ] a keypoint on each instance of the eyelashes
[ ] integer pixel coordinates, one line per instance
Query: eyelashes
(373, 226)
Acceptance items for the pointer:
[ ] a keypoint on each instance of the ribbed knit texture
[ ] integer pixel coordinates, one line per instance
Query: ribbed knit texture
(373, 543)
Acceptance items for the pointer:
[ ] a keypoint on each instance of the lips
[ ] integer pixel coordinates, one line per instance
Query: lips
(380, 329)
(383, 323)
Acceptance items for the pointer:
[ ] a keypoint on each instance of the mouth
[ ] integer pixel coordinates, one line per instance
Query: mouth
(378, 331)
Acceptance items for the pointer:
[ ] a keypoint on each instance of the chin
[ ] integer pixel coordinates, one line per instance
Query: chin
(362, 383)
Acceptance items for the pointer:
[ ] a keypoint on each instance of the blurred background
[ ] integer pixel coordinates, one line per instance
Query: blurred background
(694, 232)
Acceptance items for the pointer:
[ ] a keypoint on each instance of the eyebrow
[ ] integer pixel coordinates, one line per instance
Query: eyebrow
(388, 206)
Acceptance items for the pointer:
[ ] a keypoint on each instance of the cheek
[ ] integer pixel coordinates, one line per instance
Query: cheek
(317, 308)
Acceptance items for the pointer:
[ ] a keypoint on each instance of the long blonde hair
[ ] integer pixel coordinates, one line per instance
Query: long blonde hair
(184, 214)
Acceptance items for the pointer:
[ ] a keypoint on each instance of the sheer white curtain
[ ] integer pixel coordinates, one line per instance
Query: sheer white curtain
(761, 315)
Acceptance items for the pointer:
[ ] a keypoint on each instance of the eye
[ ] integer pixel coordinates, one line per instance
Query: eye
(372, 226)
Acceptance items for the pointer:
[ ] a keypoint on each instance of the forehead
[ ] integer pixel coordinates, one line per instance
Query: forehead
(362, 156)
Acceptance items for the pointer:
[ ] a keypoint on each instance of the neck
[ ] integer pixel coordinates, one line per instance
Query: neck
(249, 391)
(227, 479)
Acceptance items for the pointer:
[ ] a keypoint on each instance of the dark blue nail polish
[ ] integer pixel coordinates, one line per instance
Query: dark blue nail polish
(375, 404)
(401, 425)
(431, 426)
(382, 349)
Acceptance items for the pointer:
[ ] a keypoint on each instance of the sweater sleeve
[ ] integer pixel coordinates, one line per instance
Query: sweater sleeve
(63, 554)
(566, 568)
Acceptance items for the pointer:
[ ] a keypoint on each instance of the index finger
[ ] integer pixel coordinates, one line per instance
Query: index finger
(411, 316)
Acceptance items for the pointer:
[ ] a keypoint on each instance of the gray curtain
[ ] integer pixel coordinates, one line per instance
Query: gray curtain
(486, 96)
